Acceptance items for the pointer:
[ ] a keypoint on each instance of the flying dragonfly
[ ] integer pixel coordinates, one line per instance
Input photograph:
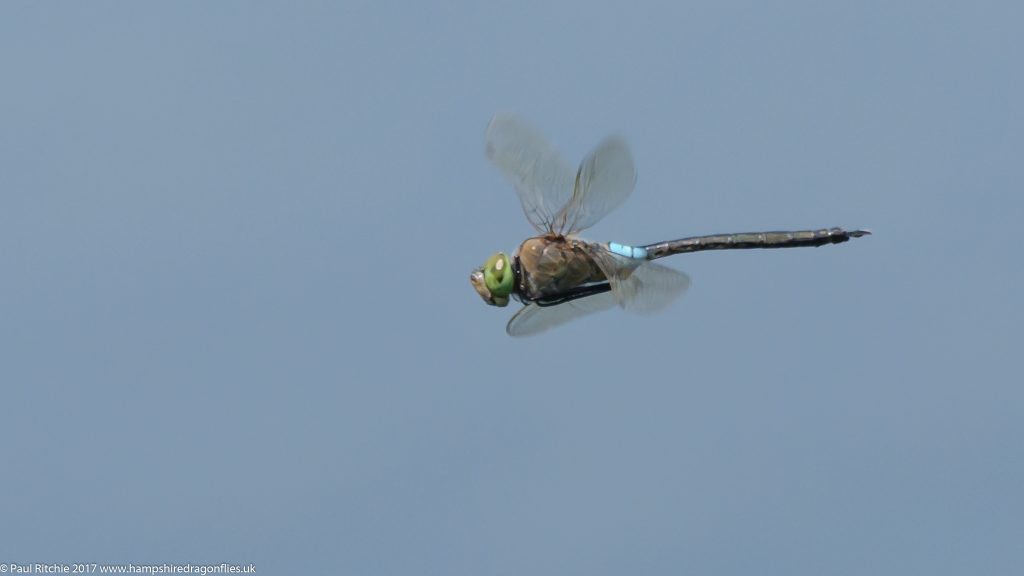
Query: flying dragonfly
(558, 276)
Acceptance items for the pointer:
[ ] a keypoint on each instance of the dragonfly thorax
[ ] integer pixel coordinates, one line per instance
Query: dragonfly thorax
(551, 265)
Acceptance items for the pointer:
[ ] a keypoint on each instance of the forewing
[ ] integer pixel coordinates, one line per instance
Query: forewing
(542, 179)
(533, 319)
(606, 177)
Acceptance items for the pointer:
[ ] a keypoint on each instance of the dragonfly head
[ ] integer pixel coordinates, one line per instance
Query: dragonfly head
(495, 280)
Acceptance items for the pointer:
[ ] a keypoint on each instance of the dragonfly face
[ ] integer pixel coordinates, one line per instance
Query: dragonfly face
(495, 280)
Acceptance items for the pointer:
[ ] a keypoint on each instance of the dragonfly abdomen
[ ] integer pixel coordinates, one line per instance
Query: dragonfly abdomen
(636, 252)
(746, 240)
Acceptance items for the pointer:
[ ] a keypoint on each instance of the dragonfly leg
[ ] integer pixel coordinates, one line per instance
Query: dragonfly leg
(575, 294)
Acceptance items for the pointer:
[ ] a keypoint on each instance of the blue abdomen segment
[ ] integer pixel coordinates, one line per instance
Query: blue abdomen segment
(627, 251)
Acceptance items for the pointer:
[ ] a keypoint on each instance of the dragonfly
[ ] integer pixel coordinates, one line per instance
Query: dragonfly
(558, 276)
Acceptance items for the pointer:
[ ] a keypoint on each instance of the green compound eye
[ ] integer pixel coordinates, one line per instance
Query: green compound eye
(498, 275)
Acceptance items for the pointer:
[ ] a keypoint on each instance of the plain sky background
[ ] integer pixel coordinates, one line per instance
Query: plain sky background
(236, 323)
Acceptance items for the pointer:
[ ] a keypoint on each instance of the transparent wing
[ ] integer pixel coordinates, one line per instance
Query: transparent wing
(605, 179)
(640, 286)
(543, 180)
(533, 319)
(650, 288)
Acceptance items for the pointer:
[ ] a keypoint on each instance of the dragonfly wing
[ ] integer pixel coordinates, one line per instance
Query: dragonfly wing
(605, 179)
(640, 286)
(650, 288)
(533, 319)
(542, 179)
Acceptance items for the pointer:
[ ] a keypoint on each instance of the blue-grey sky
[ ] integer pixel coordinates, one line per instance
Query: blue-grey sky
(236, 323)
